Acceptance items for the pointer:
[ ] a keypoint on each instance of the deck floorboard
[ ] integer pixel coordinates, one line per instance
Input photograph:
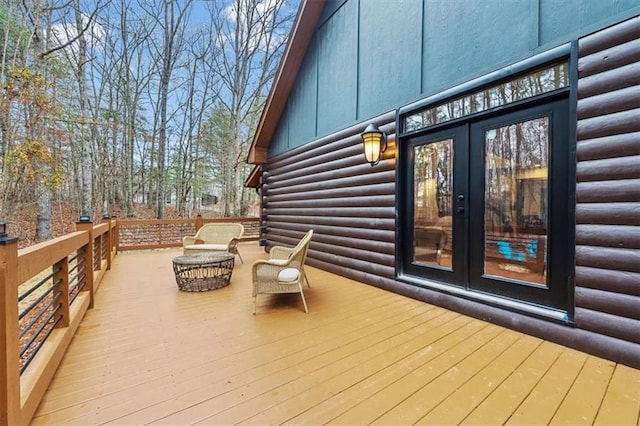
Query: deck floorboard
(150, 354)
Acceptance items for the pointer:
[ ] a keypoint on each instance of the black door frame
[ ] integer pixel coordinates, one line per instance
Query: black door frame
(558, 273)
(457, 275)
(555, 294)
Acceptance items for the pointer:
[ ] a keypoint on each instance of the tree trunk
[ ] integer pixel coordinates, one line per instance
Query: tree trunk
(43, 215)
(37, 127)
(86, 141)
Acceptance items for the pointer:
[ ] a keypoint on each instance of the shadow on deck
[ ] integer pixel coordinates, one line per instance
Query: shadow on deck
(148, 353)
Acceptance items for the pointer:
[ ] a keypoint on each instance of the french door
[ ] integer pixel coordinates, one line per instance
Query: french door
(486, 205)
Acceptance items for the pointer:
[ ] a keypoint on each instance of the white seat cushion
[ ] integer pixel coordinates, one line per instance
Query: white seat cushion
(288, 275)
(216, 247)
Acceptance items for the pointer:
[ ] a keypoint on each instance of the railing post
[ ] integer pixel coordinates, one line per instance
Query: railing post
(10, 409)
(63, 276)
(116, 241)
(85, 224)
(107, 219)
(97, 252)
(198, 222)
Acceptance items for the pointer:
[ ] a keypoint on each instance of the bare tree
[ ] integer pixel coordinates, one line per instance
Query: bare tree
(129, 76)
(171, 20)
(15, 38)
(36, 131)
(251, 35)
(200, 91)
(87, 141)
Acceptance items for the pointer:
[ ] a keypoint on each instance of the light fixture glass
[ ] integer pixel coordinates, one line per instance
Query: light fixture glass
(375, 142)
(85, 218)
(4, 238)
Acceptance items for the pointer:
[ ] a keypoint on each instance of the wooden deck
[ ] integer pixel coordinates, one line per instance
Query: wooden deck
(148, 353)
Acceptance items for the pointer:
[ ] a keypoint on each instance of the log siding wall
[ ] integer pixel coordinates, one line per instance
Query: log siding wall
(327, 185)
(607, 294)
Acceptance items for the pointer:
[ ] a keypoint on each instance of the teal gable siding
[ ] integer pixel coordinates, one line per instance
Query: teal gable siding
(302, 101)
(280, 141)
(373, 56)
(584, 17)
(390, 36)
(465, 39)
(337, 69)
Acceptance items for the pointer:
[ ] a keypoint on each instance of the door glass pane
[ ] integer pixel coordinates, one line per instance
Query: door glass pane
(433, 192)
(516, 193)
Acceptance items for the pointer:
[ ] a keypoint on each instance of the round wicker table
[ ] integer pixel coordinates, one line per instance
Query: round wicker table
(205, 271)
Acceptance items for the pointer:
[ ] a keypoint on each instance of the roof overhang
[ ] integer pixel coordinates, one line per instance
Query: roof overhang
(253, 181)
(299, 39)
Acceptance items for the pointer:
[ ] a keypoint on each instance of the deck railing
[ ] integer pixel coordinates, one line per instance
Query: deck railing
(46, 289)
(154, 233)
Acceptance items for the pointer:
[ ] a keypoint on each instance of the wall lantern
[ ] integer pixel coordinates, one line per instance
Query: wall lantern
(3, 229)
(375, 142)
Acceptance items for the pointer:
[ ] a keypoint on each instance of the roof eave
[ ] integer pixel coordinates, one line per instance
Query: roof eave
(299, 39)
(253, 181)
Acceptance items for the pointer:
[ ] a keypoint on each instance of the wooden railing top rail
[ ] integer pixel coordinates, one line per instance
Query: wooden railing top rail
(231, 219)
(185, 220)
(154, 221)
(100, 229)
(34, 259)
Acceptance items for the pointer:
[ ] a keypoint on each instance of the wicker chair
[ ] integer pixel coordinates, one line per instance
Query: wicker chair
(215, 237)
(283, 272)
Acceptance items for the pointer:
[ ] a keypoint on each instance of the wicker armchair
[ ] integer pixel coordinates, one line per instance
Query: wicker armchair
(283, 272)
(215, 237)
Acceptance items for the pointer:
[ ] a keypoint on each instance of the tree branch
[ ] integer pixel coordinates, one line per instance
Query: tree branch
(43, 55)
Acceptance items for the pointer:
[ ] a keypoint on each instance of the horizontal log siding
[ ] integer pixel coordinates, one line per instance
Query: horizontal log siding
(607, 295)
(327, 186)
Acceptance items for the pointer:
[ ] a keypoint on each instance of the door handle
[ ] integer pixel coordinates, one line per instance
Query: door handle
(460, 210)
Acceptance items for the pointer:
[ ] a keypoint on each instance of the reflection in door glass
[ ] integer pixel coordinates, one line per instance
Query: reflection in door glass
(516, 193)
(433, 192)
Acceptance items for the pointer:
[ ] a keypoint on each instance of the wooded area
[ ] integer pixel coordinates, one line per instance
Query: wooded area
(114, 106)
